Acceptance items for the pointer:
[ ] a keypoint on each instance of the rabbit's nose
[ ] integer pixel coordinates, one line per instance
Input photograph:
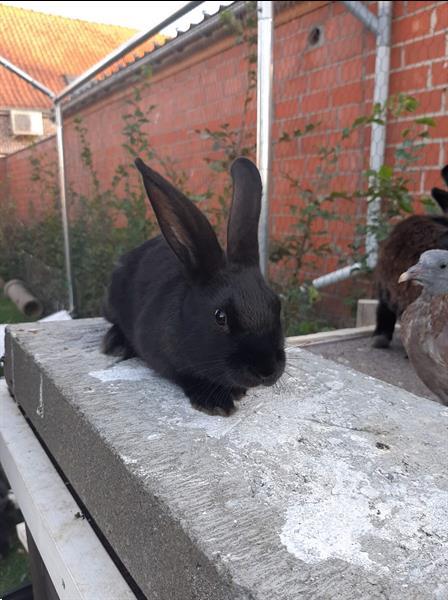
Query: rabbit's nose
(264, 372)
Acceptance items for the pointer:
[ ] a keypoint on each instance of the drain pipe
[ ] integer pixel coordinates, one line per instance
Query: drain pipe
(265, 68)
(378, 135)
(381, 25)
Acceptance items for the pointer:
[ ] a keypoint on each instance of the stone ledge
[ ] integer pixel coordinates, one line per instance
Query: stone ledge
(331, 485)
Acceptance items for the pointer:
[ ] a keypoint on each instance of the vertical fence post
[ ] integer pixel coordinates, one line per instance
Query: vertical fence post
(265, 66)
(64, 210)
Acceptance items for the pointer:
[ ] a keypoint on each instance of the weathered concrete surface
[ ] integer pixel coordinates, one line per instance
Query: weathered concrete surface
(332, 485)
(390, 365)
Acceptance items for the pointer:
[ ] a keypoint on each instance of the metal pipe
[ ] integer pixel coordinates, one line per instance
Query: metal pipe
(378, 132)
(64, 211)
(18, 293)
(26, 76)
(265, 68)
(378, 135)
(336, 276)
(362, 13)
(123, 49)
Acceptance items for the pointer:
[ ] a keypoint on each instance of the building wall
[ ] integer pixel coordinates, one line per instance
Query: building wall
(11, 143)
(330, 83)
(17, 184)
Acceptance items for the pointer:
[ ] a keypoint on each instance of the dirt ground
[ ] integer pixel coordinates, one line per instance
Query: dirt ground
(389, 365)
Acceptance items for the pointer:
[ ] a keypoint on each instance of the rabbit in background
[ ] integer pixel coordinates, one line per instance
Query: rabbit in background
(402, 249)
(198, 316)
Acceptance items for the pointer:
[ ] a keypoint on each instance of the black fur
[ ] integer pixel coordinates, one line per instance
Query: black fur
(164, 294)
(402, 249)
(10, 516)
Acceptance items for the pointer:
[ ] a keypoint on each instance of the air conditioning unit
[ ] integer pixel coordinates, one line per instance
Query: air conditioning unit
(27, 122)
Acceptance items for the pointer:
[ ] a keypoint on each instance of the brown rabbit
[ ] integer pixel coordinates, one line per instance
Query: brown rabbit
(402, 249)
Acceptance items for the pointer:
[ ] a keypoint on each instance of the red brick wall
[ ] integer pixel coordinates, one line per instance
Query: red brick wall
(331, 83)
(16, 181)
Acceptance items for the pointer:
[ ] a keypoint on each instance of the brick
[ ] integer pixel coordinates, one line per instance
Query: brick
(322, 79)
(396, 128)
(292, 45)
(410, 27)
(441, 22)
(351, 161)
(287, 109)
(345, 48)
(345, 25)
(396, 57)
(399, 9)
(287, 67)
(429, 155)
(425, 49)
(351, 70)
(417, 5)
(428, 102)
(441, 128)
(313, 103)
(431, 178)
(286, 149)
(347, 114)
(408, 80)
(439, 73)
(351, 93)
(316, 58)
(293, 87)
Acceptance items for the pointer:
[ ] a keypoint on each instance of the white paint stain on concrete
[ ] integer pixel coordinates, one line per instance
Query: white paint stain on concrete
(40, 406)
(129, 370)
(349, 517)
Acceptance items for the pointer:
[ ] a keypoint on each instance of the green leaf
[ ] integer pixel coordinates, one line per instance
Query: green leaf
(285, 137)
(385, 172)
(426, 121)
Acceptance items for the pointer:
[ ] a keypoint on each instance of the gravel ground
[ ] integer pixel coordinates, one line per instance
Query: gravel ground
(389, 365)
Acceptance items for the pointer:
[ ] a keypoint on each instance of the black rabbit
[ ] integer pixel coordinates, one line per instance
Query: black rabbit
(402, 249)
(202, 318)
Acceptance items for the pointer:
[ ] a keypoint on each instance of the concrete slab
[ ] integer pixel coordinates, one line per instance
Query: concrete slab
(331, 485)
(390, 365)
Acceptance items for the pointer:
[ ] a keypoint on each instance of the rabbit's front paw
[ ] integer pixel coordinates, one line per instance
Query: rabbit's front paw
(218, 401)
(211, 398)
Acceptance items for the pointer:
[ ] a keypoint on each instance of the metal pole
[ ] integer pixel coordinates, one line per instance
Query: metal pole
(378, 135)
(64, 211)
(61, 173)
(265, 67)
(24, 75)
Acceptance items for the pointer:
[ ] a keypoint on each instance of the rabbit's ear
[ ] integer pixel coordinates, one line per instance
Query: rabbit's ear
(184, 226)
(242, 230)
(441, 197)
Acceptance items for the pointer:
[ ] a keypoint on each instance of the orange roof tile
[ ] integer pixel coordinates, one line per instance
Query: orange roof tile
(49, 47)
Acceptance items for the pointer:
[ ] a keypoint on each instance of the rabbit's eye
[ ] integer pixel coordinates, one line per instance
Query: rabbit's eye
(220, 317)
(443, 266)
